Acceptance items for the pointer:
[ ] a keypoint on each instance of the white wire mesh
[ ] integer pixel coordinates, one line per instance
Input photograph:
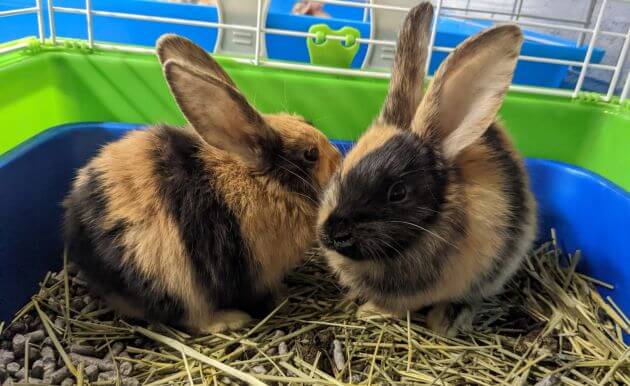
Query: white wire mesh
(589, 51)
(470, 12)
(431, 48)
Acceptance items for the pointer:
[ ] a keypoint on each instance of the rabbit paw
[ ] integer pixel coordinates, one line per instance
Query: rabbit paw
(450, 318)
(347, 303)
(370, 310)
(227, 320)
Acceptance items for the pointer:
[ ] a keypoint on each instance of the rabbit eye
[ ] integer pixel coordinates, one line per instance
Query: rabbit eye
(311, 155)
(397, 192)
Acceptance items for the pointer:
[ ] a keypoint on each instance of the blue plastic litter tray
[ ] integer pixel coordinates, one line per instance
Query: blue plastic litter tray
(450, 32)
(587, 211)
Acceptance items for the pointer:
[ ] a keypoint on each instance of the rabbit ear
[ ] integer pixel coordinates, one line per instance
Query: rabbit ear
(175, 47)
(468, 89)
(405, 86)
(221, 114)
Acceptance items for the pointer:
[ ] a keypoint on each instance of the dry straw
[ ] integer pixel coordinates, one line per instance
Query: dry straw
(550, 327)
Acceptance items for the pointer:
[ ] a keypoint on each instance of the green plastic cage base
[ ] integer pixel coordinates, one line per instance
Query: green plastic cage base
(46, 86)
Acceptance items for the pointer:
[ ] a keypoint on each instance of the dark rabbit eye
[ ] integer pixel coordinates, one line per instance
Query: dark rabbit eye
(397, 192)
(311, 155)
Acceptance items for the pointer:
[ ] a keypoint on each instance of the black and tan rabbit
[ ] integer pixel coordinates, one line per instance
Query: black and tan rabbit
(196, 225)
(432, 206)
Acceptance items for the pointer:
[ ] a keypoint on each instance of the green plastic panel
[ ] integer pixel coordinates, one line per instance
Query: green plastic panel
(51, 86)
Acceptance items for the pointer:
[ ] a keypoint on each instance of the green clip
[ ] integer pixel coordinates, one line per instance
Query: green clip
(78, 45)
(34, 46)
(332, 53)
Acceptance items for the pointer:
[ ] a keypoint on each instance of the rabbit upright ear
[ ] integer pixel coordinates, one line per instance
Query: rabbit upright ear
(221, 114)
(175, 47)
(468, 89)
(405, 86)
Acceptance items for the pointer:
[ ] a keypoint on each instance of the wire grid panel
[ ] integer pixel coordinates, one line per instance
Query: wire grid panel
(255, 28)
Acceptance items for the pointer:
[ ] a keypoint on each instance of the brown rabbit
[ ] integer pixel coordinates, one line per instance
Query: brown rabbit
(432, 206)
(196, 226)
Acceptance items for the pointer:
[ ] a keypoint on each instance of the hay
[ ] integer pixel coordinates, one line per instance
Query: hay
(550, 327)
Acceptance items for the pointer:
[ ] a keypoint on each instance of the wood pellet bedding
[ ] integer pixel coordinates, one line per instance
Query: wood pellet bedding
(550, 327)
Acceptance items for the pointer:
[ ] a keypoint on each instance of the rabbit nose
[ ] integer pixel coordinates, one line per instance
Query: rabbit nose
(337, 234)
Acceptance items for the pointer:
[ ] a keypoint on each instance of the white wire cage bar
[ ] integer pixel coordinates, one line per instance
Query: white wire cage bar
(18, 11)
(88, 16)
(260, 30)
(40, 21)
(432, 47)
(626, 88)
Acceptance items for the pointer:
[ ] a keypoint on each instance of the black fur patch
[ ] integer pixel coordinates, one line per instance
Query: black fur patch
(383, 230)
(423, 267)
(289, 166)
(97, 251)
(208, 228)
(454, 309)
(514, 190)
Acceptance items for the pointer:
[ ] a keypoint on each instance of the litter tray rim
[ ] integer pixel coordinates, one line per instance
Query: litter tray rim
(23, 147)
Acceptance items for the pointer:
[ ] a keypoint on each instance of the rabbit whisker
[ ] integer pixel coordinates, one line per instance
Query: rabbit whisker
(290, 162)
(426, 230)
(310, 184)
(307, 197)
(405, 257)
(412, 172)
(392, 247)
(306, 182)
(429, 209)
(426, 185)
(374, 249)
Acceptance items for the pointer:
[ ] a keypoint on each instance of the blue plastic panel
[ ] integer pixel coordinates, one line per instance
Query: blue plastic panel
(35, 177)
(588, 212)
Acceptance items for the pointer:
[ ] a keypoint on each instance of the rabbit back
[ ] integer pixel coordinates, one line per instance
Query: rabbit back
(147, 223)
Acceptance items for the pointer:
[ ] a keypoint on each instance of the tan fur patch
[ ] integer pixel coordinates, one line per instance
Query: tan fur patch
(486, 208)
(374, 138)
(530, 223)
(151, 239)
(81, 178)
(295, 131)
(279, 226)
(224, 320)
(328, 201)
